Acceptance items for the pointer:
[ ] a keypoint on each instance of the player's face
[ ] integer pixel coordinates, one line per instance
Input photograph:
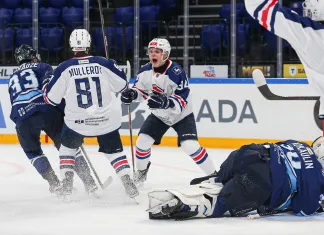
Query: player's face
(156, 57)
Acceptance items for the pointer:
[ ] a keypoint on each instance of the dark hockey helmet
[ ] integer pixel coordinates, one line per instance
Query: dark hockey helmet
(26, 53)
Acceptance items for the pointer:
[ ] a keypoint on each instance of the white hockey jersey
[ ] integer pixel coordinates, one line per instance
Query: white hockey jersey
(88, 85)
(304, 35)
(174, 83)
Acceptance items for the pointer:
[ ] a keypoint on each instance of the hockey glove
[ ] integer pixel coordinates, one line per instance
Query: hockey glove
(128, 96)
(159, 101)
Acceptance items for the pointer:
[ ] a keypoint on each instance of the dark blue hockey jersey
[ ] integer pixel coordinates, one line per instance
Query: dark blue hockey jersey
(297, 178)
(25, 89)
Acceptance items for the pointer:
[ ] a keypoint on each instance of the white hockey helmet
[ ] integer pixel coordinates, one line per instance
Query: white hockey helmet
(314, 9)
(80, 40)
(160, 43)
(318, 147)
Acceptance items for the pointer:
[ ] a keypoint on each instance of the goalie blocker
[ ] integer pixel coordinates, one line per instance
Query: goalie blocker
(255, 177)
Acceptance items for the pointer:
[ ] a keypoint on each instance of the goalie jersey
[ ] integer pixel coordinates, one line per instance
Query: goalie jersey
(25, 90)
(304, 35)
(297, 178)
(88, 85)
(173, 82)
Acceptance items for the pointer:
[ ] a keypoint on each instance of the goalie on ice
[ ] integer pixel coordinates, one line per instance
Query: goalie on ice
(266, 177)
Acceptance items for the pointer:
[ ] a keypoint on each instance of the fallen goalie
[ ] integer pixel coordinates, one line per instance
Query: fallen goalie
(269, 178)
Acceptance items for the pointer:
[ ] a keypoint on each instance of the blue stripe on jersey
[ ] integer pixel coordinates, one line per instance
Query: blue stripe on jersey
(31, 94)
(259, 8)
(273, 17)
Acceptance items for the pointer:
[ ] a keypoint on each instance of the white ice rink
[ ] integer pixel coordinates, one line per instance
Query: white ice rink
(27, 208)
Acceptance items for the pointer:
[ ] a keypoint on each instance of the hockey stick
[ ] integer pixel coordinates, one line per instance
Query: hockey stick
(128, 75)
(103, 29)
(275, 212)
(261, 83)
(102, 185)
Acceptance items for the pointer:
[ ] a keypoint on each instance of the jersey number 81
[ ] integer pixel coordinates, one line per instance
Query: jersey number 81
(86, 92)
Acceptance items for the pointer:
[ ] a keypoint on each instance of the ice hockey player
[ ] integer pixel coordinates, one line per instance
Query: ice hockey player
(164, 84)
(31, 115)
(304, 35)
(88, 84)
(266, 177)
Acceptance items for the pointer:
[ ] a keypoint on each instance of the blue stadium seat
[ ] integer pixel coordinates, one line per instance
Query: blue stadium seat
(98, 43)
(49, 15)
(24, 36)
(144, 3)
(124, 15)
(149, 16)
(29, 3)
(79, 3)
(57, 3)
(11, 4)
(51, 39)
(8, 36)
(297, 7)
(210, 37)
(225, 11)
(166, 5)
(72, 17)
(129, 38)
(242, 36)
(23, 16)
(5, 17)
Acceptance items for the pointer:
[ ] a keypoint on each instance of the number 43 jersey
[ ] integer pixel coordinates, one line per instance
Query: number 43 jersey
(88, 85)
(25, 89)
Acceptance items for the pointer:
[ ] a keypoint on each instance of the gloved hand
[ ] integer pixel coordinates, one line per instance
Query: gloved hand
(128, 96)
(159, 101)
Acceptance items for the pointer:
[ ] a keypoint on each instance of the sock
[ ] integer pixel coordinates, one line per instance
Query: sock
(120, 163)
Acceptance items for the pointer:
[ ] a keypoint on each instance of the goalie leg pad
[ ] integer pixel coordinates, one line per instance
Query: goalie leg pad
(199, 198)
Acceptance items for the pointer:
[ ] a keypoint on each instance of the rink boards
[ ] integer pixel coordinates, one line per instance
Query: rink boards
(228, 112)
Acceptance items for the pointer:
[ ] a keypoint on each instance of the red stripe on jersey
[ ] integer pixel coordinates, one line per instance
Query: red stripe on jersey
(182, 102)
(265, 14)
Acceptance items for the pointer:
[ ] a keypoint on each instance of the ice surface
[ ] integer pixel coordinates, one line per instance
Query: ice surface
(27, 208)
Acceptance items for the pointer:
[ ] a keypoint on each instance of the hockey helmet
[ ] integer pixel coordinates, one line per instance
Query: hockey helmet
(318, 147)
(160, 43)
(26, 53)
(80, 40)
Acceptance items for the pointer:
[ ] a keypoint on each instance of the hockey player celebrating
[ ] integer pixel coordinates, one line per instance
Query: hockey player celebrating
(286, 176)
(88, 84)
(164, 84)
(304, 35)
(32, 115)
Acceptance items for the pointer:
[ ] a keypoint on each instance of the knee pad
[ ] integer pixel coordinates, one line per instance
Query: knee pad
(144, 141)
(190, 146)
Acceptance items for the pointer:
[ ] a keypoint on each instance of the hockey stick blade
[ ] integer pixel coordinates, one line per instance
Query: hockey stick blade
(107, 182)
(261, 83)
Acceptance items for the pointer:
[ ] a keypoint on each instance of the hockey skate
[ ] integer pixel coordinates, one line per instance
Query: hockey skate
(67, 186)
(129, 185)
(141, 176)
(55, 186)
(91, 188)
